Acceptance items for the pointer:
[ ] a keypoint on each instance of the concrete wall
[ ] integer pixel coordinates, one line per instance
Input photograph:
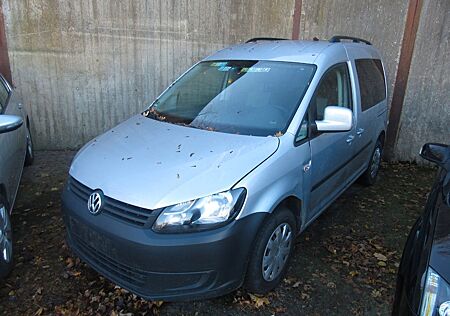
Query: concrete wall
(83, 66)
(426, 110)
(379, 21)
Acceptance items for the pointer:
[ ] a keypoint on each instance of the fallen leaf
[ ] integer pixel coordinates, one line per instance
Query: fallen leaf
(376, 293)
(69, 262)
(259, 301)
(158, 303)
(278, 134)
(280, 310)
(380, 257)
(305, 296)
(75, 273)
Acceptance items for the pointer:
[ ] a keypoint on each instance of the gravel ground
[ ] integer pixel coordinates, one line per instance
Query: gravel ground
(345, 263)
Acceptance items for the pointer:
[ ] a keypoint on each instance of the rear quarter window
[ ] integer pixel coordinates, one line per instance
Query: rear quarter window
(372, 85)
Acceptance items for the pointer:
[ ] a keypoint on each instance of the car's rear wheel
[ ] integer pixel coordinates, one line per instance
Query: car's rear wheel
(271, 253)
(6, 242)
(29, 158)
(369, 177)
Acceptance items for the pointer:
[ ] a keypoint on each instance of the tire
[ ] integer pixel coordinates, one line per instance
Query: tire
(258, 278)
(6, 241)
(29, 158)
(369, 177)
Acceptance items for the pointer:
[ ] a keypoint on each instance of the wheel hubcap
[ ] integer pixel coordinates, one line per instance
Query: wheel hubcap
(5, 235)
(277, 252)
(375, 165)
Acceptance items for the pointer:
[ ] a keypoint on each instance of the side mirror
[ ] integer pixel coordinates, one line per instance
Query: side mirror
(10, 123)
(335, 119)
(437, 153)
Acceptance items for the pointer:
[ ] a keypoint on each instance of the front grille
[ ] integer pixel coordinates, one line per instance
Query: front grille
(125, 212)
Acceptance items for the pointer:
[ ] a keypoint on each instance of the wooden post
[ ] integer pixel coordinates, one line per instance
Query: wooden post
(5, 68)
(296, 19)
(401, 79)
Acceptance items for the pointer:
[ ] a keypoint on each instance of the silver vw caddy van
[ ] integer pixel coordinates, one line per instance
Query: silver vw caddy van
(207, 189)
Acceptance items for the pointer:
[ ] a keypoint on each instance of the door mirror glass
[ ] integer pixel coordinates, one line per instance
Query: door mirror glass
(10, 123)
(335, 119)
(437, 153)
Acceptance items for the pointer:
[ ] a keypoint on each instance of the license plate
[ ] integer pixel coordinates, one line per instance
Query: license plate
(93, 238)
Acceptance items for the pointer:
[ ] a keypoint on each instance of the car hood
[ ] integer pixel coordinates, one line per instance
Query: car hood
(152, 164)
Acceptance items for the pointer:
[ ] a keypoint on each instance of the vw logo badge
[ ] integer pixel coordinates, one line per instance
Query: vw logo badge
(95, 202)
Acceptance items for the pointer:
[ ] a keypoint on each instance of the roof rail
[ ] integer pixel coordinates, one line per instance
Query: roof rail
(338, 38)
(255, 39)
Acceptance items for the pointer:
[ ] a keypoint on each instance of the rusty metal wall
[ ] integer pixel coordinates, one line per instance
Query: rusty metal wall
(426, 109)
(83, 66)
(380, 21)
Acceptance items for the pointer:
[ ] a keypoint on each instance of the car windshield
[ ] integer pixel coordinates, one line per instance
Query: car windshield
(243, 97)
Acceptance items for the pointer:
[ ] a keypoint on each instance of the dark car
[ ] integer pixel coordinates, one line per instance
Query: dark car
(423, 284)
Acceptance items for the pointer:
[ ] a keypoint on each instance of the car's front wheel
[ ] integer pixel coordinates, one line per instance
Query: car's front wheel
(6, 243)
(271, 253)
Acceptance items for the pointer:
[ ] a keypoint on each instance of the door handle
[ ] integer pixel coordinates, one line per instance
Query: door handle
(350, 139)
(359, 131)
(307, 166)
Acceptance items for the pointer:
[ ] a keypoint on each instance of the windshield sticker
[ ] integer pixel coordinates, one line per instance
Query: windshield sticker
(219, 64)
(256, 69)
(225, 68)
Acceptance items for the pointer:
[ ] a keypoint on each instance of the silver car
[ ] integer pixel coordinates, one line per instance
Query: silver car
(206, 190)
(16, 149)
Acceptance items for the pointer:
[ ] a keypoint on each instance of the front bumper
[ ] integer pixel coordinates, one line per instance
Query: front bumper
(160, 266)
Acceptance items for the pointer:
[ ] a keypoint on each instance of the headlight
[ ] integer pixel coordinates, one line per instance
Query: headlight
(436, 296)
(205, 213)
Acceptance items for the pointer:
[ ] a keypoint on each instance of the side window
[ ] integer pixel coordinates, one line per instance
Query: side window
(334, 89)
(303, 130)
(371, 82)
(3, 96)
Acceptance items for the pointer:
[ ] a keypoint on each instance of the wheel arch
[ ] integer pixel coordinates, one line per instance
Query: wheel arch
(382, 137)
(293, 204)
